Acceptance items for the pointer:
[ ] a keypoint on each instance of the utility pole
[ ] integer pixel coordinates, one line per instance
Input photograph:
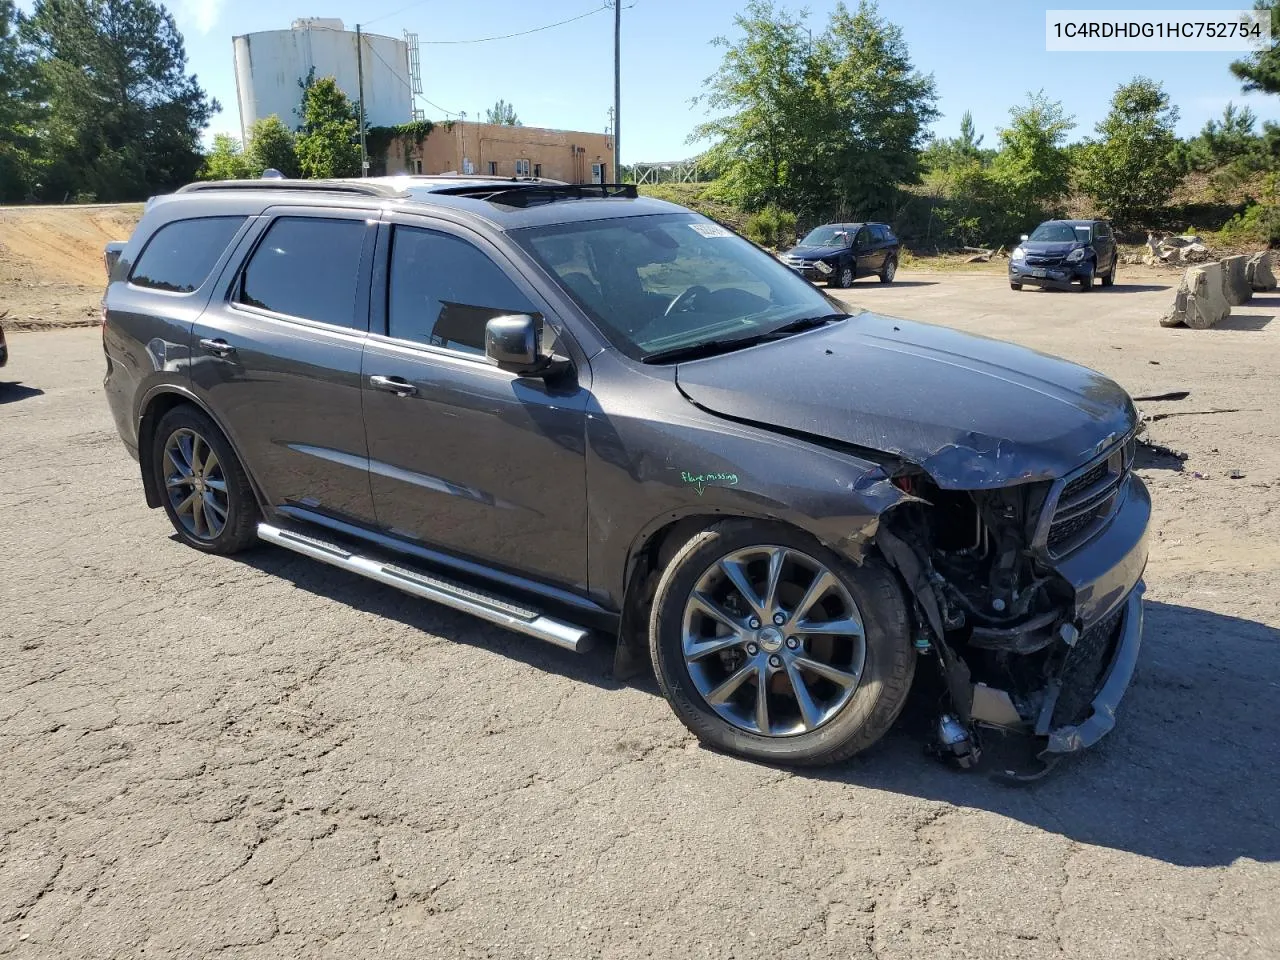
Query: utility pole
(617, 91)
(364, 153)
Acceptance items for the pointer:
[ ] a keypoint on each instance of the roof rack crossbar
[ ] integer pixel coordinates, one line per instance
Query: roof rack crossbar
(314, 186)
(535, 194)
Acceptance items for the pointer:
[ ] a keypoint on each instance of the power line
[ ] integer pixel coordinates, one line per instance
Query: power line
(394, 13)
(374, 51)
(522, 33)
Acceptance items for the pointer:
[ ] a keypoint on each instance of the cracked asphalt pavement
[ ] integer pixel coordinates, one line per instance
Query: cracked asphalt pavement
(265, 757)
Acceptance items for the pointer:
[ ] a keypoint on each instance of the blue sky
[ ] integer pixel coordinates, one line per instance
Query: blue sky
(984, 58)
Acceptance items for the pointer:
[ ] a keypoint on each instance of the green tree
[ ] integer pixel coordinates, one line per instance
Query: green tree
(817, 125)
(1261, 70)
(125, 118)
(327, 145)
(1135, 164)
(503, 113)
(272, 145)
(877, 110)
(1032, 167)
(21, 112)
(1221, 141)
(762, 87)
(227, 161)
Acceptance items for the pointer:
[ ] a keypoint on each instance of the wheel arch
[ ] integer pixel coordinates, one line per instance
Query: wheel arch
(151, 410)
(651, 551)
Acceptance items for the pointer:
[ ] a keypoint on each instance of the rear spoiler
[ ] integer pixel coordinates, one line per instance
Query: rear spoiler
(112, 254)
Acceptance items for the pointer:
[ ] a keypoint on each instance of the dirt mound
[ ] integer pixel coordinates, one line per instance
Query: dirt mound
(61, 244)
(51, 271)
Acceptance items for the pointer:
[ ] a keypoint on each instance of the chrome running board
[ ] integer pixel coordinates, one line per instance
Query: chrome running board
(446, 592)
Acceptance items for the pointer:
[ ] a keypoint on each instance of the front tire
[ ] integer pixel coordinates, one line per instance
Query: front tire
(768, 645)
(1014, 286)
(203, 487)
(844, 277)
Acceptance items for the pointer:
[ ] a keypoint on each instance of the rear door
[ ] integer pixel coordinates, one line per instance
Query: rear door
(277, 357)
(464, 456)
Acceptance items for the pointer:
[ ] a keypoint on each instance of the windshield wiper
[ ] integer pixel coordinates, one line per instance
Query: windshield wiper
(805, 323)
(705, 349)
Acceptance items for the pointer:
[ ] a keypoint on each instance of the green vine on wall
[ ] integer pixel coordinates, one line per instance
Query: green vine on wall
(378, 139)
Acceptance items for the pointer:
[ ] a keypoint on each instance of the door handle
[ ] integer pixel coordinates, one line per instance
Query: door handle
(218, 347)
(397, 385)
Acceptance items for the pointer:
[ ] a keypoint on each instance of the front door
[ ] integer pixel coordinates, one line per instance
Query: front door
(870, 255)
(277, 355)
(465, 457)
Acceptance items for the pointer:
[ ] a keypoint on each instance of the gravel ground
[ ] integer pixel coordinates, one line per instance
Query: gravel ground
(266, 757)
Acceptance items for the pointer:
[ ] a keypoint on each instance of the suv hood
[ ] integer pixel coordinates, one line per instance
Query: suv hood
(1050, 248)
(974, 413)
(815, 253)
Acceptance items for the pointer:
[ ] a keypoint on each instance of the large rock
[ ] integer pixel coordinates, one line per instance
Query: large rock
(1200, 302)
(1235, 285)
(1258, 271)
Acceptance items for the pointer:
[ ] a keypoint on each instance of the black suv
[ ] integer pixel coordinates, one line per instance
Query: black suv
(1061, 252)
(575, 412)
(841, 252)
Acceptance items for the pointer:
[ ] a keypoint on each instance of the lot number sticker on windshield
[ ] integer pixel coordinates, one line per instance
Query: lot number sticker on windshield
(710, 229)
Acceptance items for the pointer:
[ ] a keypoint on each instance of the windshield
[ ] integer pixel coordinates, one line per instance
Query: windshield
(657, 284)
(1055, 231)
(826, 237)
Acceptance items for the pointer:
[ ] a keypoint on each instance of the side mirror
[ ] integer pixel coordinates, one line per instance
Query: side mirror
(1023, 238)
(512, 342)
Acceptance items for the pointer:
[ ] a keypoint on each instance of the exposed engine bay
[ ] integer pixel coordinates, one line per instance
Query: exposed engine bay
(994, 614)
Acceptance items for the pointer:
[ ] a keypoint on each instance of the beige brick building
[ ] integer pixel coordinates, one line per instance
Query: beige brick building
(488, 148)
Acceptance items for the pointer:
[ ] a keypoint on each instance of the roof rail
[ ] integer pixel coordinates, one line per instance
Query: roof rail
(313, 186)
(535, 194)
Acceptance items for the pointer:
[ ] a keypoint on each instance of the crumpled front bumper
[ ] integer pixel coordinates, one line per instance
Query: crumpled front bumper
(1102, 717)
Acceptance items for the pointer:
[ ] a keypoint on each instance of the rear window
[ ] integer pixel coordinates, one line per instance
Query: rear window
(180, 255)
(307, 267)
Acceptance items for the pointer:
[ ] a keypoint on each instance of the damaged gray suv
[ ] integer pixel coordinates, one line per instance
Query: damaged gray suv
(579, 413)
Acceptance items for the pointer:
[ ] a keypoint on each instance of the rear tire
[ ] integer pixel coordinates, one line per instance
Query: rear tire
(1110, 278)
(890, 270)
(202, 485)
(843, 723)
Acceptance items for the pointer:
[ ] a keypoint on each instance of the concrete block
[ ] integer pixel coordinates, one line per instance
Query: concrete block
(1235, 285)
(1201, 300)
(1259, 271)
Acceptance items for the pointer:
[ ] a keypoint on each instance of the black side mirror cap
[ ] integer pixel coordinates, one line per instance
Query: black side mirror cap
(512, 342)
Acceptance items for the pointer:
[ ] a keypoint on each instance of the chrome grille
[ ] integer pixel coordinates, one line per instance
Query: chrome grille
(1087, 500)
(797, 262)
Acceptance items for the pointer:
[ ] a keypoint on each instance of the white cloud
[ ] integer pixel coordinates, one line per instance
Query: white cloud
(203, 13)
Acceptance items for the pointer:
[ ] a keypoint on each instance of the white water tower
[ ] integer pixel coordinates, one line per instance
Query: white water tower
(271, 66)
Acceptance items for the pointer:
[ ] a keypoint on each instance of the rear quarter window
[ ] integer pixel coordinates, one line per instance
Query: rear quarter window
(180, 255)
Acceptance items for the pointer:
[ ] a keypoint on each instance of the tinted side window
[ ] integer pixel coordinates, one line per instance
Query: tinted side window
(179, 255)
(306, 267)
(443, 291)
(863, 238)
(1102, 230)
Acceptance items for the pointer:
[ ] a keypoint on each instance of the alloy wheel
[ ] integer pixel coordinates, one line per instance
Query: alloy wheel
(846, 277)
(773, 641)
(891, 268)
(195, 484)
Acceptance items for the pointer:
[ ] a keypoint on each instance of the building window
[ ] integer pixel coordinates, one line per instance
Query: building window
(493, 168)
(537, 169)
(597, 173)
(522, 168)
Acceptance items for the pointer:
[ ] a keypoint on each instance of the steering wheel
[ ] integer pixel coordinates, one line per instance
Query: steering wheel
(685, 298)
